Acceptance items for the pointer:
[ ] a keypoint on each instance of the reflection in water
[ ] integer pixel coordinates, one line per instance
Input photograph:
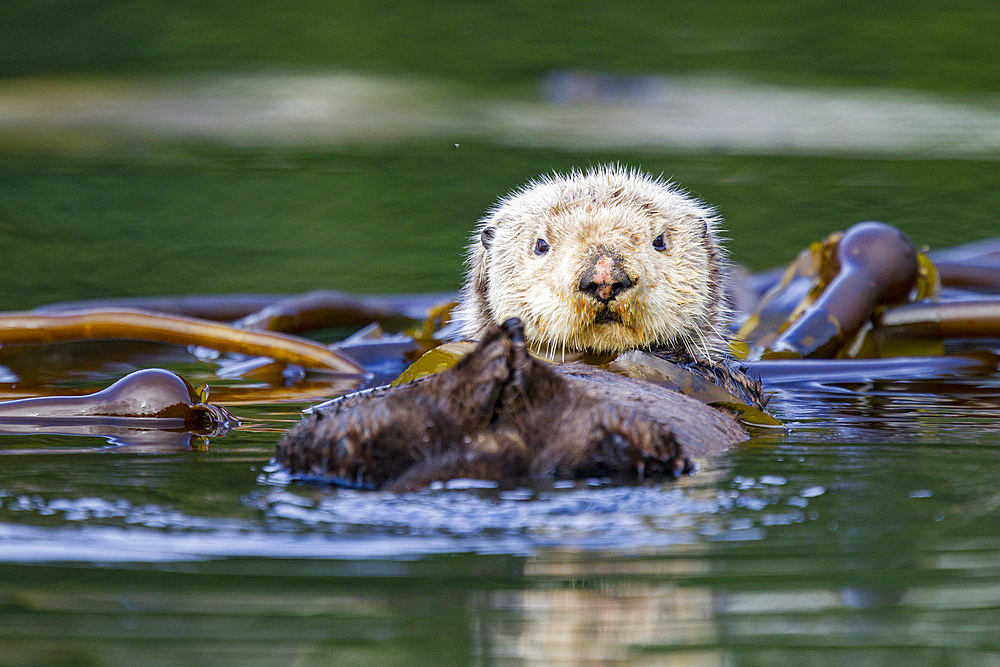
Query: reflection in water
(757, 604)
(586, 612)
(130, 438)
(563, 609)
(958, 410)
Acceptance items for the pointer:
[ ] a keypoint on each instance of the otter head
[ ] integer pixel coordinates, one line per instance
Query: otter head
(602, 261)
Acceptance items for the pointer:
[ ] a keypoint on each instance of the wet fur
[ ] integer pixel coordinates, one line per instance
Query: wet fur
(502, 415)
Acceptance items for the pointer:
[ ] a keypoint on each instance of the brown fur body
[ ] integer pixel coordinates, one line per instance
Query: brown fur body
(502, 415)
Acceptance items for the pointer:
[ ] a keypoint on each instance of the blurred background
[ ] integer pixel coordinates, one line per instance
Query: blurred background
(153, 147)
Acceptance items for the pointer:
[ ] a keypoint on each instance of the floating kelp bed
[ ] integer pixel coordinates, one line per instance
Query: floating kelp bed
(858, 307)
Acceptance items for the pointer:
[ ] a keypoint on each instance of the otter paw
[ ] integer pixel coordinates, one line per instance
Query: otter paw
(661, 457)
(472, 387)
(514, 328)
(646, 451)
(497, 372)
(339, 448)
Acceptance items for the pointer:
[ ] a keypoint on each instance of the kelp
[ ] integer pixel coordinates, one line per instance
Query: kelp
(838, 372)
(151, 393)
(382, 355)
(973, 318)
(31, 328)
(326, 309)
(153, 409)
(984, 250)
(299, 392)
(434, 361)
(978, 276)
(318, 309)
(645, 366)
(429, 330)
(215, 307)
(828, 295)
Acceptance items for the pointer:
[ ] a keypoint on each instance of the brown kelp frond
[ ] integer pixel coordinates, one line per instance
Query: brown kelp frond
(31, 328)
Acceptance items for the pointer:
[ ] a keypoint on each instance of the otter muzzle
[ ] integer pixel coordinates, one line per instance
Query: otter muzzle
(605, 278)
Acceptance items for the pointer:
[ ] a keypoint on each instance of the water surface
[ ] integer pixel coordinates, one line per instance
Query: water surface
(866, 533)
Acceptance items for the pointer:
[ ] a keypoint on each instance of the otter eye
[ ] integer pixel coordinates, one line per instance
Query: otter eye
(541, 247)
(659, 243)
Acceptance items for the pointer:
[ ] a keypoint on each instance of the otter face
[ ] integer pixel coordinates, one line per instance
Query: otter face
(605, 261)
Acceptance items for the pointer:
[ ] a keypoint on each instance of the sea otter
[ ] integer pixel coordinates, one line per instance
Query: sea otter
(594, 263)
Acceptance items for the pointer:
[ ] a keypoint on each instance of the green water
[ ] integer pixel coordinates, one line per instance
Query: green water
(397, 219)
(865, 535)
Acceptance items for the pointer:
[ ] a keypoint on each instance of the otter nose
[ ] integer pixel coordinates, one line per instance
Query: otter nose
(606, 278)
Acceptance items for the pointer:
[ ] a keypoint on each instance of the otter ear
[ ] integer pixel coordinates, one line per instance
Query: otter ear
(479, 278)
(486, 236)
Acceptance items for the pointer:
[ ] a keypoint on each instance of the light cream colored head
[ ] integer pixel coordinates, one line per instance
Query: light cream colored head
(600, 261)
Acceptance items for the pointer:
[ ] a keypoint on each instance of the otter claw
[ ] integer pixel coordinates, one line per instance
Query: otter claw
(514, 328)
(683, 466)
